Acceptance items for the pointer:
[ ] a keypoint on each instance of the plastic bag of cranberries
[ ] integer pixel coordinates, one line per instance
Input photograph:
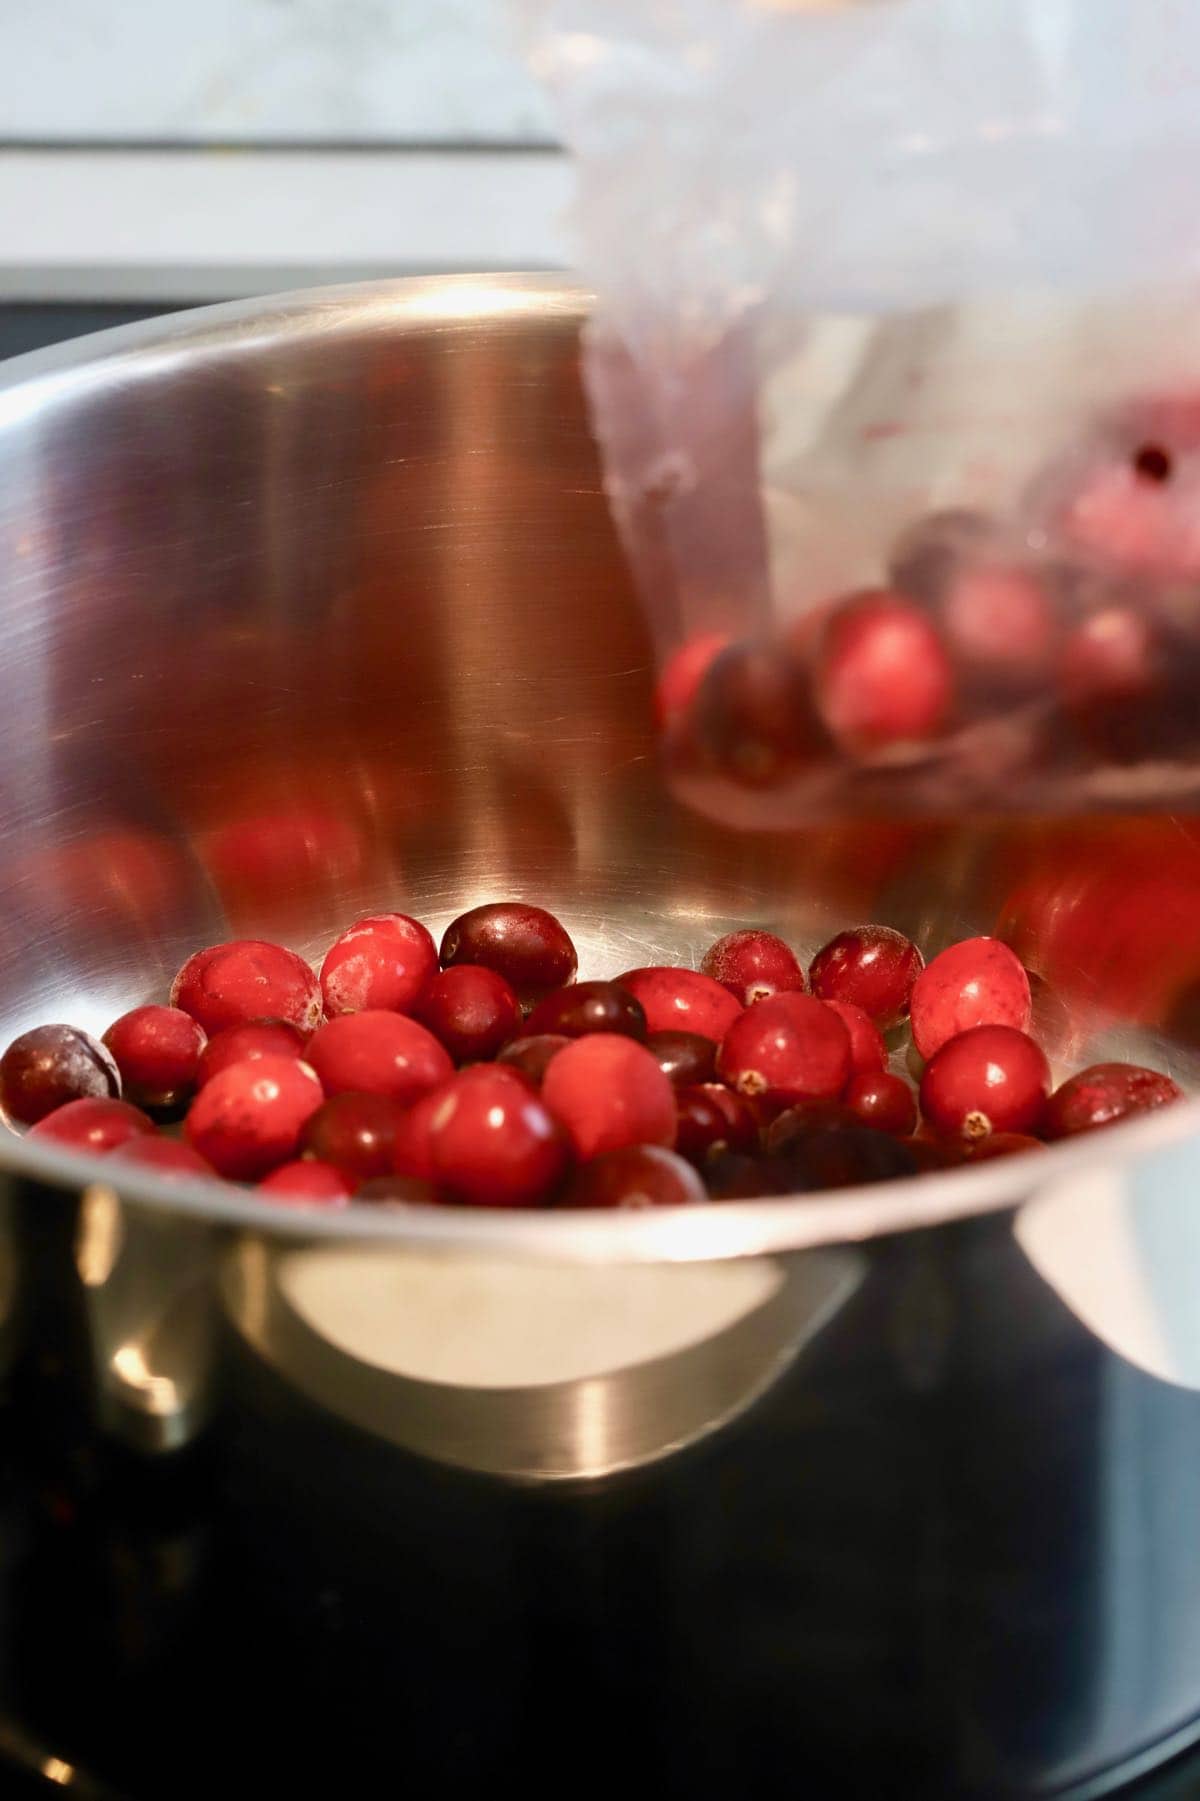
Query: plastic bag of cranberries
(895, 366)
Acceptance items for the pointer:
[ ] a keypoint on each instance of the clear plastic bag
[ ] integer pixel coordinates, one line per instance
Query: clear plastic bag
(899, 296)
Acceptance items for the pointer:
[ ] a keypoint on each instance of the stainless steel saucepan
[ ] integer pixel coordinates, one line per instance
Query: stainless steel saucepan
(313, 606)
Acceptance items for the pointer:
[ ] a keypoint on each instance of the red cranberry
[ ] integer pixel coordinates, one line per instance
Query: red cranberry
(526, 945)
(228, 984)
(933, 1154)
(752, 719)
(589, 1007)
(797, 1122)
(92, 1124)
(356, 1133)
(987, 1079)
(1000, 624)
(249, 1118)
(788, 1049)
(471, 1010)
(609, 1092)
(378, 1053)
(166, 1156)
(753, 966)
(978, 982)
(686, 1058)
(493, 1143)
(397, 1191)
(1103, 1094)
(868, 1052)
(412, 1152)
(682, 674)
(681, 1000)
(734, 1176)
(848, 1158)
(871, 967)
(531, 1055)
(638, 1175)
(157, 1050)
(51, 1065)
(883, 676)
(1002, 1144)
(242, 1044)
(383, 960)
(709, 1115)
(307, 1180)
(882, 1100)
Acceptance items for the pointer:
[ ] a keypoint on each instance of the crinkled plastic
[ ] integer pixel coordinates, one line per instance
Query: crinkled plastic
(858, 264)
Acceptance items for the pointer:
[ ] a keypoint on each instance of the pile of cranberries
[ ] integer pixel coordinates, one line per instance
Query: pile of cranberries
(485, 1075)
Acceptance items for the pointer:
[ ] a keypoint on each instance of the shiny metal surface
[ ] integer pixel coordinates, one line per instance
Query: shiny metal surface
(313, 606)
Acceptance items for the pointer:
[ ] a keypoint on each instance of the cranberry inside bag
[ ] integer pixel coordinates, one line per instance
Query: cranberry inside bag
(895, 368)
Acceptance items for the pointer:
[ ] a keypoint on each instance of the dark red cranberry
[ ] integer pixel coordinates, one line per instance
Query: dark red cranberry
(526, 945)
(356, 1133)
(753, 966)
(1113, 679)
(682, 674)
(799, 1121)
(867, 1049)
(883, 678)
(493, 1143)
(307, 1180)
(709, 1116)
(157, 1050)
(51, 1065)
(165, 1156)
(787, 1049)
(681, 1000)
(471, 1010)
(531, 1055)
(242, 1044)
(638, 1175)
(685, 1058)
(884, 1101)
(752, 719)
(228, 984)
(384, 960)
(377, 1053)
(589, 1007)
(734, 1176)
(1002, 1144)
(249, 1118)
(608, 1092)
(848, 1158)
(933, 1154)
(978, 982)
(92, 1124)
(987, 1079)
(1104, 1094)
(871, 967)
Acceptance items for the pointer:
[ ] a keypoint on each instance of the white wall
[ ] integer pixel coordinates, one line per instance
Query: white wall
(314, 70)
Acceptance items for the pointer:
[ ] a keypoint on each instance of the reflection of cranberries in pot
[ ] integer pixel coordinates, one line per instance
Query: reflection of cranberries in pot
(682, 674)
(639, 1175)
(883, 677)
(871, 967)
(752, 719)
(50, 1065)
(753, 966)
(990, 1078)
(1104, 1094)
(92, 1124)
